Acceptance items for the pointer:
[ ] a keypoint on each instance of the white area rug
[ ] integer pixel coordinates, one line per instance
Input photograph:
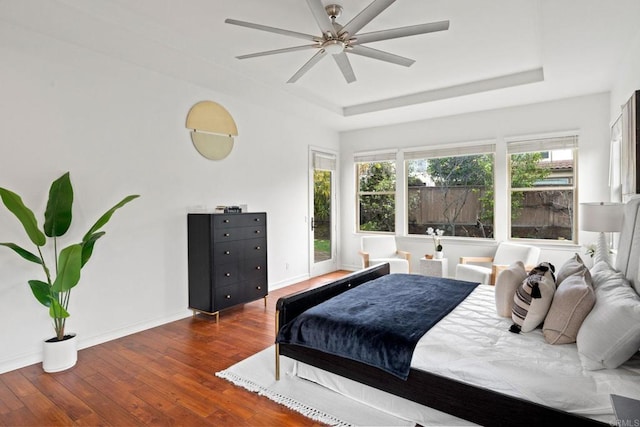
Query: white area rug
(257, 374)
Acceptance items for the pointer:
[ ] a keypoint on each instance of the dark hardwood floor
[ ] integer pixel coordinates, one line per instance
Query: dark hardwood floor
(162, 376)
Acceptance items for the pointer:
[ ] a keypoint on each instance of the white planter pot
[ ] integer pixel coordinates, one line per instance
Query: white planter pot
(60, 355)
(439, 255)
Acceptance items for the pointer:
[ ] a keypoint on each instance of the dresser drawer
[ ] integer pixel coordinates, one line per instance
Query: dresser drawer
(238, 233)
(229, 296)
(239, 220)
(253, 248)
(225, 274)
(227, 252)
(255, 290)
(252, 268)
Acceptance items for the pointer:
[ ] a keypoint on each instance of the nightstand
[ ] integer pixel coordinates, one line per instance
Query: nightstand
(434, 267)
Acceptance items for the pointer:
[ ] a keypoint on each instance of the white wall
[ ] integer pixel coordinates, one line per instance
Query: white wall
(589, 115)
(119, 129)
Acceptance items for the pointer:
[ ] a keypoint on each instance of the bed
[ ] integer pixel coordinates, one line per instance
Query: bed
(479, 384)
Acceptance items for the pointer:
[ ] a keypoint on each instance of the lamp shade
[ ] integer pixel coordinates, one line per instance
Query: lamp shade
(601, 216)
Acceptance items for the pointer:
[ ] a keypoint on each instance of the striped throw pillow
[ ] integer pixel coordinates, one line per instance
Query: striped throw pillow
(533, 298)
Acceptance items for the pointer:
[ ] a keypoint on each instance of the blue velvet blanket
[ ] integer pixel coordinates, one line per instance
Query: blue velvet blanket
(379, 322)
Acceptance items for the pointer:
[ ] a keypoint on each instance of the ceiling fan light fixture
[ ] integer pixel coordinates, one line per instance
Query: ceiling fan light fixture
(333, 46)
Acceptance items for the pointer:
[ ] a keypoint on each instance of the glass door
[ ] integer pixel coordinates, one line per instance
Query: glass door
(322, 213)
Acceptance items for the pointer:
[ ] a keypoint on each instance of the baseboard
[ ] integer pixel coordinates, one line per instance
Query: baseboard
(33, 358)
(132, 329)
(351, 267)
(20, 362)
(288, 282)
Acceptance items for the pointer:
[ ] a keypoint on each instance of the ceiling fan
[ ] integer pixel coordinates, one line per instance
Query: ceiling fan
(338, 40)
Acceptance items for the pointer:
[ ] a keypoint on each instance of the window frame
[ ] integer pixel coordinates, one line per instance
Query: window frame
(474, 148)
(536, 144)
(375, 157)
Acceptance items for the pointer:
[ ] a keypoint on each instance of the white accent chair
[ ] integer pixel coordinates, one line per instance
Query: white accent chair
(380, 249)
(486, 269)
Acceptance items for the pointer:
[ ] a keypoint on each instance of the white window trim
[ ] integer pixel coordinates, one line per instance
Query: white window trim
(369, 157)
(374, 156)
(468, 148)
(536, 143)
(449, 150)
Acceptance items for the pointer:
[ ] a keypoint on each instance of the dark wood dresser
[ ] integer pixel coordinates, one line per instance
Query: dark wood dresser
(227, 260)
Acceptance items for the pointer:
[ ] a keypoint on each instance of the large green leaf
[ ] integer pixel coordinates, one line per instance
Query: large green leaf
(69, 265)
(23, 253)
(57, 216)
(107, 216)
(57, 311)
(14, 203)
(40, 290)
(87, 246)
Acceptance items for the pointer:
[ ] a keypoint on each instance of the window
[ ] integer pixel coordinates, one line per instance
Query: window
(323, 168)
(376, 195)
(542, 187)
(451, 189)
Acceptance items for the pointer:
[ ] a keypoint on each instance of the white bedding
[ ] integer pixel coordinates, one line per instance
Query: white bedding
(473, 344)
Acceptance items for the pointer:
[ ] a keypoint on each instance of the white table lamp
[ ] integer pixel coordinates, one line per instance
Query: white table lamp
(603, 218)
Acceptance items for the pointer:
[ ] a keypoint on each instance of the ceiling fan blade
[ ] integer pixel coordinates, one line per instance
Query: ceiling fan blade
(307, 66)
(366, 16)
(394, 33)
(275, 51)
(272, 29)
(345, 66)
(322, 18)
(383, 56)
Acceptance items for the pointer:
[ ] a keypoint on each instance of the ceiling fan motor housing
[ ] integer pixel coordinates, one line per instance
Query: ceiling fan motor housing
(333, 10)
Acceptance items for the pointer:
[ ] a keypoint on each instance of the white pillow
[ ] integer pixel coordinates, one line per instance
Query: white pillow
(603, 273)
(506, 284)
(610, 334)
(529, 309)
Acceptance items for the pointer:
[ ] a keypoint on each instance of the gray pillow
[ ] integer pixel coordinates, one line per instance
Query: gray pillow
(572, 302)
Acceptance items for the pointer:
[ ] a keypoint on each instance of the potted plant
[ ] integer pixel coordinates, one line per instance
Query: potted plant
(437, 246)
(54, 291)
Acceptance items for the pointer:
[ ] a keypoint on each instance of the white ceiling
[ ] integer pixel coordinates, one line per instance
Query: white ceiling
(575, 44)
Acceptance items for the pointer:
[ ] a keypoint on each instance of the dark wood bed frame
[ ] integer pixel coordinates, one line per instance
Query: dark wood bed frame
(479, 405)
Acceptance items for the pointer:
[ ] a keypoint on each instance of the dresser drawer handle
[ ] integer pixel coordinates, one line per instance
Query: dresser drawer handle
(227, 234)
(259, 288)
(227, 274)
(226, 220)
(227, 296)
(258, 268)
(227, 252)
(257, 231)
(257, 219)
(258, 248)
